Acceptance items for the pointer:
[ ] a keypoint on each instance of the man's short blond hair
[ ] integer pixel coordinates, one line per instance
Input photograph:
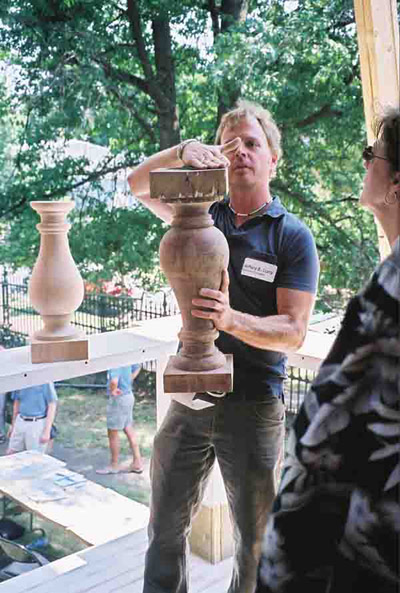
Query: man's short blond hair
(249, 109)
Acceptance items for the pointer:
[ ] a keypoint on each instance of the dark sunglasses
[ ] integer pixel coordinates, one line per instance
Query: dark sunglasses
(368, 155)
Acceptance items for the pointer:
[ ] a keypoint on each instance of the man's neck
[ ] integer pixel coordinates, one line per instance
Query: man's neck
(247, 200)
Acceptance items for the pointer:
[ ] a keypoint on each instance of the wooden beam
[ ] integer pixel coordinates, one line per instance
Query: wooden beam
(378, 41)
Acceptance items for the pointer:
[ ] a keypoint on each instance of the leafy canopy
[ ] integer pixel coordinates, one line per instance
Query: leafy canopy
(135, 76)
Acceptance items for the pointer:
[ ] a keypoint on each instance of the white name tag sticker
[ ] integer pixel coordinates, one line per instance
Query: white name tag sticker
(261, 270)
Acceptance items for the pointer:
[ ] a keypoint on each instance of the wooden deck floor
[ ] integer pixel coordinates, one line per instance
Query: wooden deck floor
(114, 567)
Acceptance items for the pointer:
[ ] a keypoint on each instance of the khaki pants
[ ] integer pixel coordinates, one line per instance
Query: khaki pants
(26, 435)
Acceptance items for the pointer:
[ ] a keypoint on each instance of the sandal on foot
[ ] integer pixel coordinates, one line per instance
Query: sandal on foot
(107, 471)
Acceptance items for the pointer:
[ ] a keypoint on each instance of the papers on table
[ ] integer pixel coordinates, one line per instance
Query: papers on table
(44, 491)
(67, 479)
(41, 477)
(27, 465)
(55, 486)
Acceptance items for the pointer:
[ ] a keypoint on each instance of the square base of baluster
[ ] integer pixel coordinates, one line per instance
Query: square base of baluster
(59, 351)
(177, 381)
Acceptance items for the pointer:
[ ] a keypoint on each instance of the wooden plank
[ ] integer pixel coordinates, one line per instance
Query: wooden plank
(125, 577)
(93, 513)
(133, 542)
(59, 351)
(32, 580)
(131, 546)
(136, 587)
(178, 381)
(378, 42)
(219, 586)
(110, 568)
(204, 575)
(204, 578)
(94, 574)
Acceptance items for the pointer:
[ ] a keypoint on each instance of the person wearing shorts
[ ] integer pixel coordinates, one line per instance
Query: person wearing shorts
(119, 417)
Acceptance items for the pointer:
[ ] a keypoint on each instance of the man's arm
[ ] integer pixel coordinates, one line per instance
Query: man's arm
(283, 332)
(135, 373)
(139, 181)
(14, 416)
(114, 389)
(51, 414)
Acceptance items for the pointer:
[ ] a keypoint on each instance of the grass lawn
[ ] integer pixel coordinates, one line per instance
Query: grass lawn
(60, 542)
(82, 423)
(82, 433)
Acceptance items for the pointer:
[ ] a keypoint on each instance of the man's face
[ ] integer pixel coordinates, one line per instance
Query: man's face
(252, 163)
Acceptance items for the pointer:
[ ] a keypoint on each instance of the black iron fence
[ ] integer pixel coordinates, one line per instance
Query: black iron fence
(103, 313)
(98, 313)
(296, 386)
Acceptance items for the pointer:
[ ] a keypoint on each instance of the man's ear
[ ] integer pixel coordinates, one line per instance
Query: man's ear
(274, 164)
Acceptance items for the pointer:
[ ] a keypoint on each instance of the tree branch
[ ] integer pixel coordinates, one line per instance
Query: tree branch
(135, 25)
(214, 14)
(129, 106)
(325, 111)
(117, 47)
(314, 208)
(150, 87)
(61, 191)
(123, 76)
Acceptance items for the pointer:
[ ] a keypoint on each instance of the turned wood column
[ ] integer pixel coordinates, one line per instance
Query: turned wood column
(56, 288)
(193, 254)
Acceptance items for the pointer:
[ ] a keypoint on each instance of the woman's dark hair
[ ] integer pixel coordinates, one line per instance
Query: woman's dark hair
(387, 129)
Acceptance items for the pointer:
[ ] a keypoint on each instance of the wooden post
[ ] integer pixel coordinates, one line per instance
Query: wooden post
(378, 41)
(193, 255)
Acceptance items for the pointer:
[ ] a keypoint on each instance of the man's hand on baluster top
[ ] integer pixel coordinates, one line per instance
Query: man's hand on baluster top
(215, 305)
(206, 156)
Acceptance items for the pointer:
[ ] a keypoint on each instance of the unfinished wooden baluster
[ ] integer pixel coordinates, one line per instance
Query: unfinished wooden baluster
(193, 254)
(56, 289)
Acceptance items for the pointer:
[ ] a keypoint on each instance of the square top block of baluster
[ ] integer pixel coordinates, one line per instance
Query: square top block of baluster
(188, 185)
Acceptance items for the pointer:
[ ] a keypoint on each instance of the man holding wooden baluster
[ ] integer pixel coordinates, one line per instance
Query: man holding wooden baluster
(261, 311)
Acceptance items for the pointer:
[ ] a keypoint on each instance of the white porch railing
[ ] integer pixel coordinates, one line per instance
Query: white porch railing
(155, 339)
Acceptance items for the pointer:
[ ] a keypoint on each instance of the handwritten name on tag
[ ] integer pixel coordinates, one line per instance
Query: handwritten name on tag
(259, 269)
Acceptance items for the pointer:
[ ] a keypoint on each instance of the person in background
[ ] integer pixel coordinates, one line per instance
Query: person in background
(258, 319)
(34, 410)
(119, 417)
(336, 522)
(3, 396)
(3, 436)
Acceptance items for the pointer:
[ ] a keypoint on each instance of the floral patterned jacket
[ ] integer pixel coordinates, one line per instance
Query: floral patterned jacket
(335, 527)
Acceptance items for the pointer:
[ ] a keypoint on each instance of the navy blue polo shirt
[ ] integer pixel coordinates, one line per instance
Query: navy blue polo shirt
(268, 251)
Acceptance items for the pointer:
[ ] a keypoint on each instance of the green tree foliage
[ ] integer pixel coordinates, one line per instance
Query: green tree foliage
(136, 75)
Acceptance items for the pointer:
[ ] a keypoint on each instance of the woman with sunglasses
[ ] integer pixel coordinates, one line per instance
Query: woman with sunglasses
(336, 521)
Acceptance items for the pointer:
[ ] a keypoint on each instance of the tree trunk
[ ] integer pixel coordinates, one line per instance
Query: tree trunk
(232, 13)
(168, 120)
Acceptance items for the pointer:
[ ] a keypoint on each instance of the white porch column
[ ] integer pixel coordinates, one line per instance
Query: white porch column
(378, 42)
(211, 536)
